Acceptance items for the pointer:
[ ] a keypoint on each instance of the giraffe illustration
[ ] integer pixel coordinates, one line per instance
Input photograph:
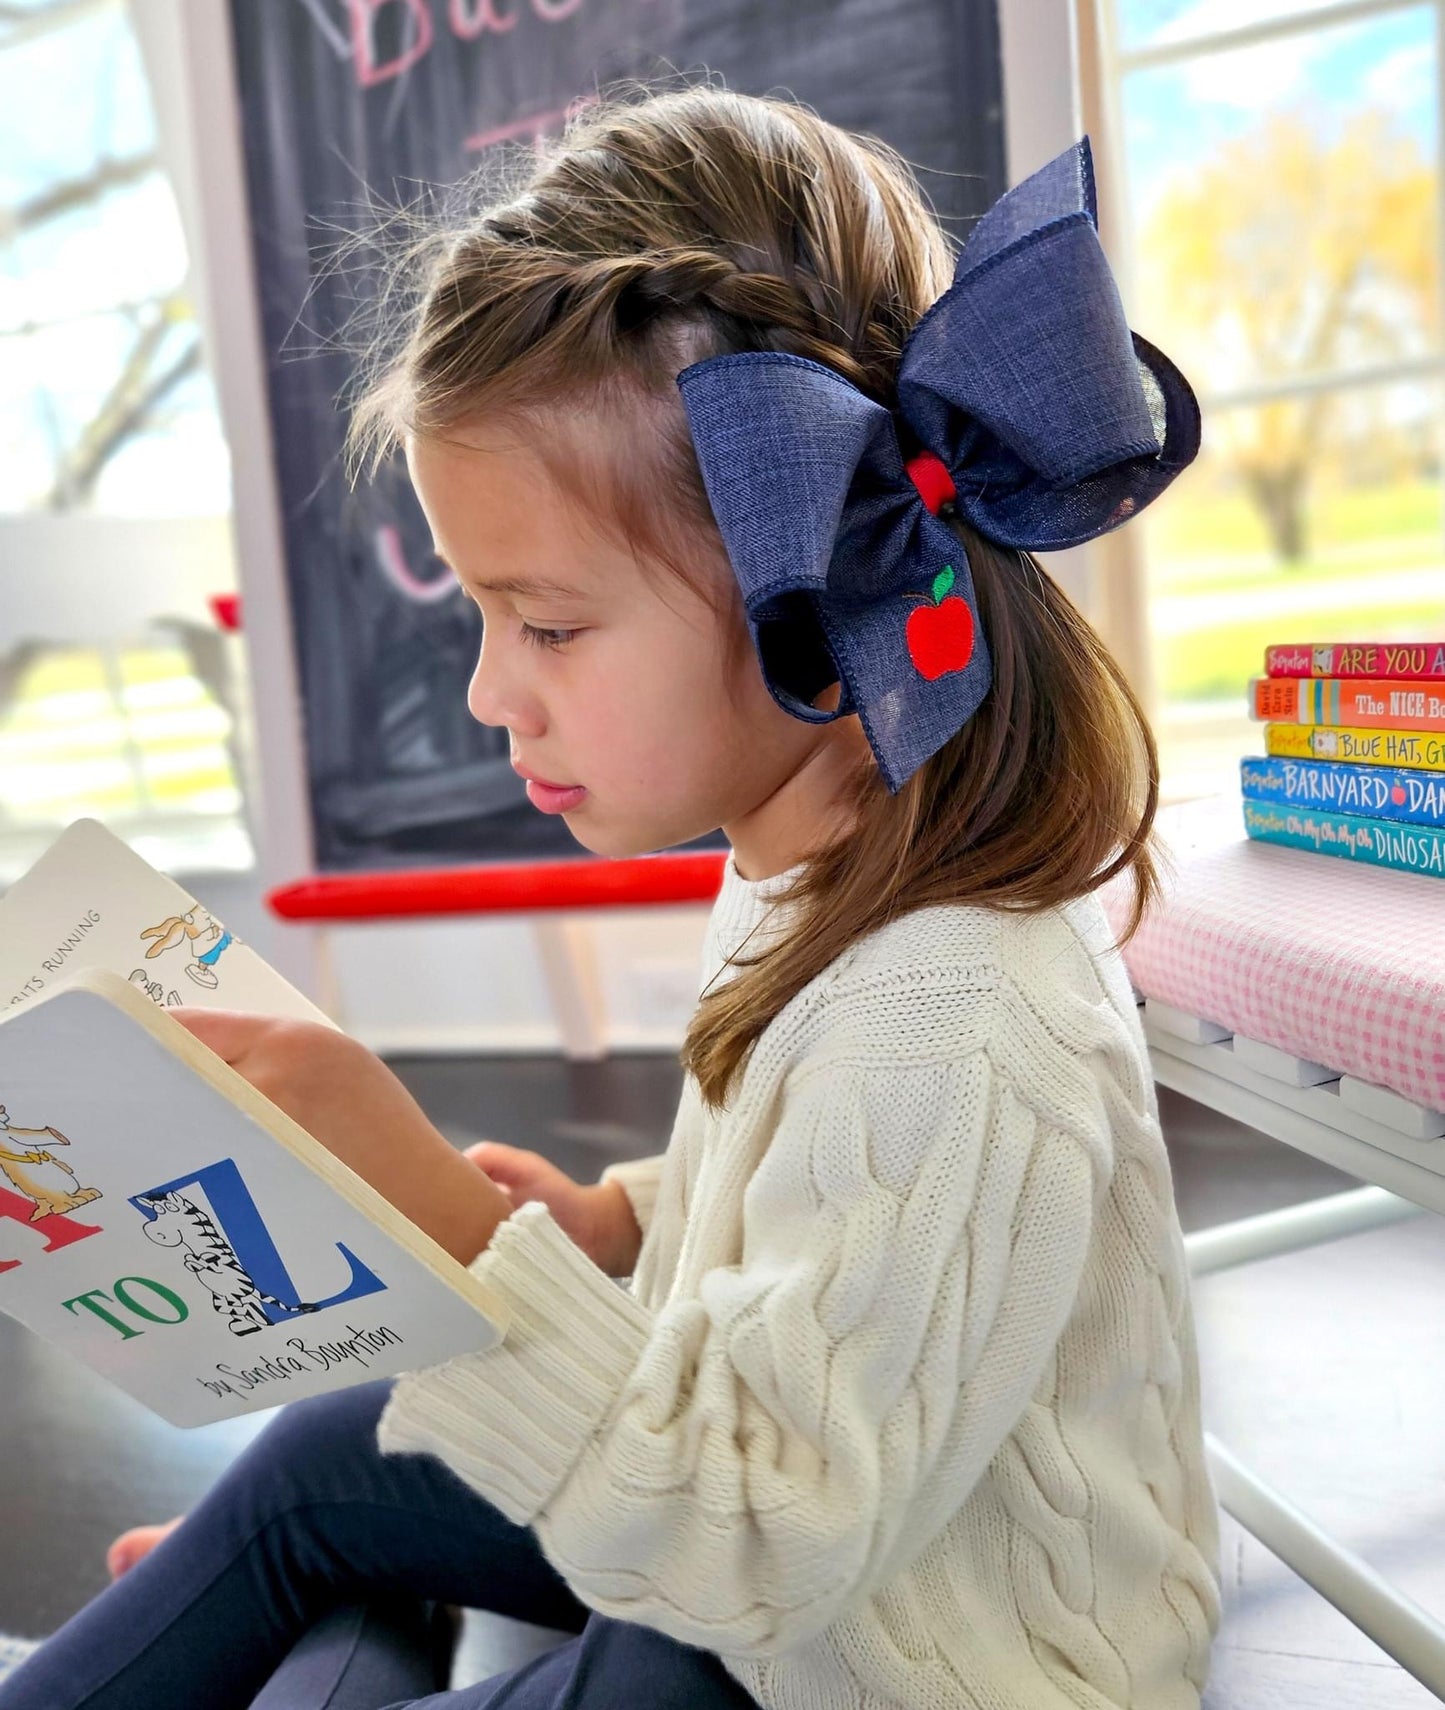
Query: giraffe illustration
(37, 1174)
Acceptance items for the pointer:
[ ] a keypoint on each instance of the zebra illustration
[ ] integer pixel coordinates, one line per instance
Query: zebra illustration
(211, 1259)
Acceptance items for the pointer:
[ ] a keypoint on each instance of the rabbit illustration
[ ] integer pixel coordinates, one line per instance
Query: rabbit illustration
(212, 1261)
(194, 927)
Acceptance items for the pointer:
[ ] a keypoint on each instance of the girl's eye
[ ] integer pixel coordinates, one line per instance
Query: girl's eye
(553, 638)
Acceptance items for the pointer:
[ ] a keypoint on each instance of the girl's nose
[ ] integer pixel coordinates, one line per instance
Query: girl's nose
(494, 697)
(486, 699)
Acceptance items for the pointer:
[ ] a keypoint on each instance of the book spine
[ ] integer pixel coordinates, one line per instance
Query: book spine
(1369, 792)
(1420, 750)
(1356, 659)
(1387, 703)
(1413, 848)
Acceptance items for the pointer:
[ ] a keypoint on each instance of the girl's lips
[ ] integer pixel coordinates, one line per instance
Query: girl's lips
(552, 800)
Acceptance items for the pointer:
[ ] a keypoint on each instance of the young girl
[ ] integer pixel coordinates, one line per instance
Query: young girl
(900, 1408)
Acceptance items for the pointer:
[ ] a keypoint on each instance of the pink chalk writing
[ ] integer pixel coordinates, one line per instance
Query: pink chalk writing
(369, 69)
(391, 556)
(532, 125)
(472, 18)
(409, 29)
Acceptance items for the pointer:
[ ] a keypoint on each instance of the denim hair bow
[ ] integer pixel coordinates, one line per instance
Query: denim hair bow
(1034, 410)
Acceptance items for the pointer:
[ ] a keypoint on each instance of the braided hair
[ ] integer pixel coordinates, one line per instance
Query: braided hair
(697, 223)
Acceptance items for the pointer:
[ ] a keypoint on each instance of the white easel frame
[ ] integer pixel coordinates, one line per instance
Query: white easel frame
(187, 49)
(1039, 59)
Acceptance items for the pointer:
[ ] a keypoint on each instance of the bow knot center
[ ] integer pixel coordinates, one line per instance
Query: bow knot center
(930, 475)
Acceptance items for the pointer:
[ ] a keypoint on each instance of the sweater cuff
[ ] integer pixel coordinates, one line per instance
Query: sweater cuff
(513, 1420)
(639, 1179)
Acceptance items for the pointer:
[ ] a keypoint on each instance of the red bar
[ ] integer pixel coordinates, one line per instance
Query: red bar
(503, 886)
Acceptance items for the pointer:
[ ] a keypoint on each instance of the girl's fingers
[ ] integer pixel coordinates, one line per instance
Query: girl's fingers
(483, 1153)
(498, 1170)
(520, 1174)
(507, 1173)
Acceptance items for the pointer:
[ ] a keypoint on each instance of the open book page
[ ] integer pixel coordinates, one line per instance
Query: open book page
(91, 902)
(181, 1235)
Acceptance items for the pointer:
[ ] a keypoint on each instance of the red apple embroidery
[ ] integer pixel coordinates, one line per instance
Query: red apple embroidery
(940, 636)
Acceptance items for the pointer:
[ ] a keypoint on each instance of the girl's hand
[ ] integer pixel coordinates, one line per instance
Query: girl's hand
(598, 1219)
(346, 1097)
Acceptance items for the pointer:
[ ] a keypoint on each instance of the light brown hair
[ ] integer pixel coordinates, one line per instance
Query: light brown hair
(662, 228)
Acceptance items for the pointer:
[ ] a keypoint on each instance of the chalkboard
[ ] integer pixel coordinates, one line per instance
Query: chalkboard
(342, 97)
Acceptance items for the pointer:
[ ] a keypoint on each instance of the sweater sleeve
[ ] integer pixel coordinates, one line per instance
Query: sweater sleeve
(638, 1179)
(746, 1465)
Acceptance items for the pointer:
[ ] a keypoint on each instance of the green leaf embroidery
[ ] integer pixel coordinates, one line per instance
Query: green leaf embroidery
(942, 582)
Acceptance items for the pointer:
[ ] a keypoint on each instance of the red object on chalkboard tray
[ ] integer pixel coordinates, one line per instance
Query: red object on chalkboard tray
(501, 887)
(226, 609)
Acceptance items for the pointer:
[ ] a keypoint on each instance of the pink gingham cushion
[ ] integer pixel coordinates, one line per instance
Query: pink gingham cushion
(1340, 963)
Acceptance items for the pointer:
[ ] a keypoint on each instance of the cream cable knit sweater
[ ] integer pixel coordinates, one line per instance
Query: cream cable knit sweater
(900, 1410)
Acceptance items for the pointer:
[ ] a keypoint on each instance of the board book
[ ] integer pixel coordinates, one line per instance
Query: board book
(160, 1219)
(1388, 703)
(1419, 659)
(1368, 792)
(1358, 745)
(1382, 843)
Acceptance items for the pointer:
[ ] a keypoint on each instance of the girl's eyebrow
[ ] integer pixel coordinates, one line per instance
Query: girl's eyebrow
(526, 587)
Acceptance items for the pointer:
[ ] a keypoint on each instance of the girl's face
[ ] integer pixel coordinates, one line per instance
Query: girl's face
(624, 691)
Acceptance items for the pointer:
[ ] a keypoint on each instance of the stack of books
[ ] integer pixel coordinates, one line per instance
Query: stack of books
(1354, 740)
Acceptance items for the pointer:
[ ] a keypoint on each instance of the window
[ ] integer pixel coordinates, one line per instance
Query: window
(1279, 172)
(117, 693)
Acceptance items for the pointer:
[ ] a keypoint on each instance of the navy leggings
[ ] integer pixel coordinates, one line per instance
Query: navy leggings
(314, 1576)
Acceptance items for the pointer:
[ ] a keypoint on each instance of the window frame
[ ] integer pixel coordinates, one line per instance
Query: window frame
(1121, 607)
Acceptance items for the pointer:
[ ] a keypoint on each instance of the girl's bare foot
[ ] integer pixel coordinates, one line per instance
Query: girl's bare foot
(130, 1546)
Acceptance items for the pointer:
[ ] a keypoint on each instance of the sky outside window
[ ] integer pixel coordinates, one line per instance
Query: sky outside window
(1159, 23)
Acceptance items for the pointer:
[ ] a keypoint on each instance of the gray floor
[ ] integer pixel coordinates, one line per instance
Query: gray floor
(1323, 1370)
